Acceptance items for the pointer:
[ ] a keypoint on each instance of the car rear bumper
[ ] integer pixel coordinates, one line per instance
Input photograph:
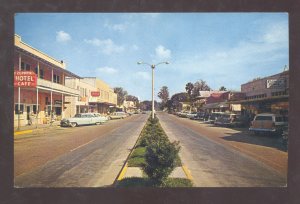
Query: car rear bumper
(262, 130)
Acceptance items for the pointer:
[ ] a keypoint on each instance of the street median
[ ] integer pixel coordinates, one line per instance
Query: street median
(154, 161)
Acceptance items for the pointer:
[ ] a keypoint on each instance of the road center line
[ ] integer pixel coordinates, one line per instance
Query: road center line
(82, 145)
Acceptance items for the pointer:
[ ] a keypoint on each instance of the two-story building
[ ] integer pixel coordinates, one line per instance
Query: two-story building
(80, 104)
(268, 94)
(47, 99)
(106, 99)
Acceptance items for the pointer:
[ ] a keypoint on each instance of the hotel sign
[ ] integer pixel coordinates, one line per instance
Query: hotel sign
(95, 93)
(25, 79)
(276, 83)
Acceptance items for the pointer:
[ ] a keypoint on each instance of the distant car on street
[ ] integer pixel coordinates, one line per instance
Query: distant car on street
(231, 120)
(81, 119)
(118, 115)
(268, 123)
(199, 116)
(213, 117)
(191, 115)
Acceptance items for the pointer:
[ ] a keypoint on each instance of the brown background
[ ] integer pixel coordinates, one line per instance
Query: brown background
(8, 194)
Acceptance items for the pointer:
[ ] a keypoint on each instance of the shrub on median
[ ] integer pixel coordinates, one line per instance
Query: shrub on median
(155, 153)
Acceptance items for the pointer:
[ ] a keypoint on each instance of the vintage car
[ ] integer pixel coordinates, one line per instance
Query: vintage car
(231, 120)
(213, 117)
(102, 117)
(191, 115)
(82, 119)
(118, 115)
(268, 122)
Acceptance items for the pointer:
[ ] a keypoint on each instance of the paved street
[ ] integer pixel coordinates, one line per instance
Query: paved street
(87, 156)
(223, 157)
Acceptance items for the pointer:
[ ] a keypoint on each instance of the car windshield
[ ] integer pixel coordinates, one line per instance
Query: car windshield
(77, 116)
(263, 118)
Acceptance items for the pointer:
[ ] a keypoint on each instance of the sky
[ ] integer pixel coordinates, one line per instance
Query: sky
(223, 49)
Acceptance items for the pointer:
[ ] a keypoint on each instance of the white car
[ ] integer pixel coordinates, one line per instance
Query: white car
(81, 119)
(118, 115)
(103, 118)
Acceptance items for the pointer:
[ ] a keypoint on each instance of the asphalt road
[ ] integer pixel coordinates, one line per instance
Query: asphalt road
(213, 163)
(86, 156)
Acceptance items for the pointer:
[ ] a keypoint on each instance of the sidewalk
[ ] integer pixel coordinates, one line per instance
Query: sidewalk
(33, 127)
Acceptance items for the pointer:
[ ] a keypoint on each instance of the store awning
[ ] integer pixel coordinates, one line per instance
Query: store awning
(216, 105)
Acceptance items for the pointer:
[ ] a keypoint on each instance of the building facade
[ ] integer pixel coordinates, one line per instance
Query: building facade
(106, 99)
(80, 104)
(268, 94)
(46, 100)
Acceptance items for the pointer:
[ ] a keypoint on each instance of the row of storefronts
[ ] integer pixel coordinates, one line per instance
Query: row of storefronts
(45, 90)
(262, 95)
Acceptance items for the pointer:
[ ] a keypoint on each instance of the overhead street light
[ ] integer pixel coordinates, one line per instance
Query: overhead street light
(152, 67)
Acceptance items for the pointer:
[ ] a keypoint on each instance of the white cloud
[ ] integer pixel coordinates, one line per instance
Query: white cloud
(62, 36)
(116, 27)
(143, 75)
(107, 46)
(162, 52)
(107, 70)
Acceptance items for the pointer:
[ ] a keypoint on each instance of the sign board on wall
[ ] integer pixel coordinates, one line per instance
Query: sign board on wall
(95, 93)
(275, 83)
(25, 79)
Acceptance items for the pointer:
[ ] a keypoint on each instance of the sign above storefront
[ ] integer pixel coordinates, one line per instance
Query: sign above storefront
(25, 79)
(95, 93)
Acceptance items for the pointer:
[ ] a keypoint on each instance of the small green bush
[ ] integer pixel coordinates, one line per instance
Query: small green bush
(160, 159)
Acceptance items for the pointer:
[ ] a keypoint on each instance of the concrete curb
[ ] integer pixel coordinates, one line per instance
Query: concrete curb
(187, 172)
(123, 172)
(23, 132)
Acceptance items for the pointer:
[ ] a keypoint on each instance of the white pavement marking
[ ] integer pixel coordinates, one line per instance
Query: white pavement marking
(82, 145)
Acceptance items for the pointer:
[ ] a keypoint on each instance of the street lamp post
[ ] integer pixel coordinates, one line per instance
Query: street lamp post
(153, 67)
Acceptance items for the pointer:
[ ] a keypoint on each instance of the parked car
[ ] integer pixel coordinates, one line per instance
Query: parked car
(213, 117)
(231, 120)
(199, 116)
(118, 115)
(183, 114)
(191, 115)
(81, 119)
(268, 122)
(103, 118)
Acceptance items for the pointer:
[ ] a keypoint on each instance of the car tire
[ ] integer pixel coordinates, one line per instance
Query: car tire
(98, 123)
(73, 124)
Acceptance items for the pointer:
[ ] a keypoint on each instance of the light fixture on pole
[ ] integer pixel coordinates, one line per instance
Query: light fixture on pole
(152, 67)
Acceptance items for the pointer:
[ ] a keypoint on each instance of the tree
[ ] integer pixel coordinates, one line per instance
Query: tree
(199, 85)
(222, 88)
(132, 98)
(189, 88)
(121, 95)
(163, 95)
(177, 98)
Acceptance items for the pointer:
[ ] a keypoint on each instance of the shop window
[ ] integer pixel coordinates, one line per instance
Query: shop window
(21, 109)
